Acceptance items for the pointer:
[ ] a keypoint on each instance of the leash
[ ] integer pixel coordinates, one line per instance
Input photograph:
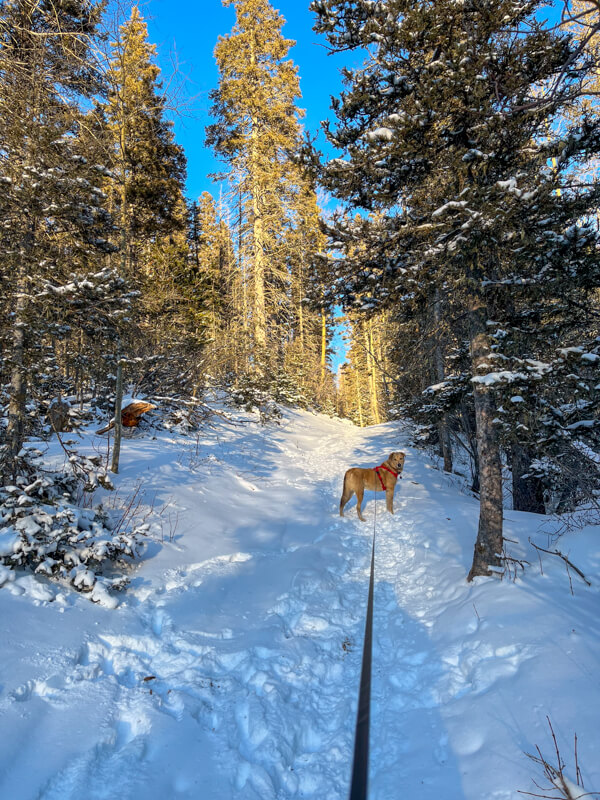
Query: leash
(360, 765)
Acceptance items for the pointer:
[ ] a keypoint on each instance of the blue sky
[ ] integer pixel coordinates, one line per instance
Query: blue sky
(190, 29)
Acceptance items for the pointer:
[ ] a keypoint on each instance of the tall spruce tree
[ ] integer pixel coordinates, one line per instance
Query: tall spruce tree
(308, 327)
(212, 277)
(146, 196)
(255, 132)
(55, 227)
(149, 167)
(447, 129)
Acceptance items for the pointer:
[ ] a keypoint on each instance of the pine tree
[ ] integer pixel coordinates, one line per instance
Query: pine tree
(308, 326)
(55, 226)
(211, 264)
(255, 133)
(146, 195)
(149, 167)
(366, 376)
(445, 130)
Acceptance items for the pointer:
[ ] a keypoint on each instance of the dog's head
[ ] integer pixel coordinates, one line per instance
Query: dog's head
(396, 461)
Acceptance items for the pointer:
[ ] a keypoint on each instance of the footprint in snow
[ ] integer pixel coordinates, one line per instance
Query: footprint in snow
(92, 774)
(157, 623)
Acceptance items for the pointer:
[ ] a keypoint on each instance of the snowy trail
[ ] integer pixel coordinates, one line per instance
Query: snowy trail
(231, 668)
(247, 648)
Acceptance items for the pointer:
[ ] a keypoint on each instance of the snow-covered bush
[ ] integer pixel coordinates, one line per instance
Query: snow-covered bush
(253, 392)
(265, 391)
(284, 388)
(44, 530)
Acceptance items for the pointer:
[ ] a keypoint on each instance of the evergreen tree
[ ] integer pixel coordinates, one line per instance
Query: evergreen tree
(146, 195)
(149, 167)
(365, 380)
(55, 227)
(583, 20)
(309, 326)
(255, 133)
(212, 274)
(445, 130)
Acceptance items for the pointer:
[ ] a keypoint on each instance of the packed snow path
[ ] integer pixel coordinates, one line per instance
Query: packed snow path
(231, 668)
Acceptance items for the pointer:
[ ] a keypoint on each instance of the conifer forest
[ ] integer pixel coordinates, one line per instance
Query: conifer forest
(446, 223)
(217, 298)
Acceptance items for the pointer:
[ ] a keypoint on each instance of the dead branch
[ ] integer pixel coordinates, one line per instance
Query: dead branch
(564, 558)
(560, 785)
(194, 404)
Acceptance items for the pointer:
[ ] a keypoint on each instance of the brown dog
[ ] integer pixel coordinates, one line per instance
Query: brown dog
(380, 479)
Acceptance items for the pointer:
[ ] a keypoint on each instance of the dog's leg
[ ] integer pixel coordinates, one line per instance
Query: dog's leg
(344, 500)
(389, 500)
(346, 495)
(359, 498)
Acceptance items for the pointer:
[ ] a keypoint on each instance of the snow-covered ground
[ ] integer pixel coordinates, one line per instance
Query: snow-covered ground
(230, 668)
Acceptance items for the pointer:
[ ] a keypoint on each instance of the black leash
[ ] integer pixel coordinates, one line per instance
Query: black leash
(360, 766)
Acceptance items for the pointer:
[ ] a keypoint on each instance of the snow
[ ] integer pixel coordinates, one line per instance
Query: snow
(9, 541)
(380, 134)
(438, 387)
(230, 667)
(504, 376)
(587, 451)
(451, 205)
(6, 575)
(592, 358)
(575, 792)
(473, 155)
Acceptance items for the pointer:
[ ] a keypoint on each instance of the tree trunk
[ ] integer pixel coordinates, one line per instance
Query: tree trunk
(443, 428)
(258, 239)
(15, 432)
(323, 346)
(118, 421)
(372, 375)
(300, 289)
(382, 360)
(260, 320)
(488, 547)
(467, 422)
(18, 386)
(528, 493)
(242, 267)
(358, 400)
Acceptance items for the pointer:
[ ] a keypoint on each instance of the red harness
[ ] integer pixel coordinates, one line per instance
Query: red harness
(387, 469)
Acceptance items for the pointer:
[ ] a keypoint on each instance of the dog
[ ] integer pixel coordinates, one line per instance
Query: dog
(382, 478)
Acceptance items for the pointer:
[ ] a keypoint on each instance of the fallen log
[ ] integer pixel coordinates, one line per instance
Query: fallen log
(130, 416)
